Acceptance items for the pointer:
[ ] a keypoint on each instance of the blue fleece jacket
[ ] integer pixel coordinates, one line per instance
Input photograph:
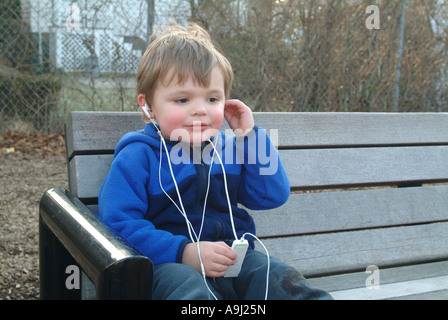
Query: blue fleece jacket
(132, 202)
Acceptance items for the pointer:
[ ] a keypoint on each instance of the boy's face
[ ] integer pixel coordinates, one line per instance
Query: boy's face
(190, 111)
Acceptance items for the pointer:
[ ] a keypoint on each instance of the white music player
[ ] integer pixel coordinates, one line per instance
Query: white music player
(240, 248)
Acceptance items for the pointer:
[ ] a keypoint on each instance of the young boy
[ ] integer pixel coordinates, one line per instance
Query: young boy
(167, 193)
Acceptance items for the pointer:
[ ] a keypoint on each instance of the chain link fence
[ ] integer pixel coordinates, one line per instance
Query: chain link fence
(288, 55)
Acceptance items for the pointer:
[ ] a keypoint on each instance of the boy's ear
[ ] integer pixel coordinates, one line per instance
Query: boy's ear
(141, 100)
(143, 103)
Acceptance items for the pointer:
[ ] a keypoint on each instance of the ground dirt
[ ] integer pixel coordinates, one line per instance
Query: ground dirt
(30, 164)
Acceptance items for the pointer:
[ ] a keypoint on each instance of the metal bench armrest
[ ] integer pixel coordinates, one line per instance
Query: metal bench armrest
(71, 234)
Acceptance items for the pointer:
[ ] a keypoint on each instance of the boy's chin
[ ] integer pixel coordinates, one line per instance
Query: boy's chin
(199, 140)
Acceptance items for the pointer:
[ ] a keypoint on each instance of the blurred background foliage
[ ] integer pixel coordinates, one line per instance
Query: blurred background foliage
(292, 55)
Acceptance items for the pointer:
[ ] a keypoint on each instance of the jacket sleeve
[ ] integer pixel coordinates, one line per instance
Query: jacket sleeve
(264, 182)
(123, 203)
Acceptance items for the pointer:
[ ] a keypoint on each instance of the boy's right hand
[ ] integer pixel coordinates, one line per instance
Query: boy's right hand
(239, 117)
(216, 257)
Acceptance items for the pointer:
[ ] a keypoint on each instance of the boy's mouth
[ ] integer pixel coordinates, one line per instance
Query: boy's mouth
(198, 126)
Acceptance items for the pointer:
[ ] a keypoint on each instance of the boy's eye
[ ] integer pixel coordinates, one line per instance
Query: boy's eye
(213, 100)
(182, 100)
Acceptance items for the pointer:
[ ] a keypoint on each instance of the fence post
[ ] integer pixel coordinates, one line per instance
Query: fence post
(399, 55)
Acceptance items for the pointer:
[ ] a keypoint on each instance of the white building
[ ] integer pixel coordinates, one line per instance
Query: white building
(98, 36)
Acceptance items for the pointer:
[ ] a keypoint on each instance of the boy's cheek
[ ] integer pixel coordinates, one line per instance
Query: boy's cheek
(218, 118)
(174, 120)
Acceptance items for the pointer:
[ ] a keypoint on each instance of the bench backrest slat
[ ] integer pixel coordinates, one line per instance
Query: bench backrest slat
(323, 168)
(90, 131)
(311, 169)
(328, 253)
(362, 209)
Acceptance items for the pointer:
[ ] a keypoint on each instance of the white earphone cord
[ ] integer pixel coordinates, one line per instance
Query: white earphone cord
(184, 214)
(231, 216)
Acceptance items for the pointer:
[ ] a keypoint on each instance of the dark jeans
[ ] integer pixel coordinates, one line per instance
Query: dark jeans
(174, 281)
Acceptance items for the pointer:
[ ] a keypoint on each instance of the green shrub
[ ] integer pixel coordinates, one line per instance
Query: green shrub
(31, 98)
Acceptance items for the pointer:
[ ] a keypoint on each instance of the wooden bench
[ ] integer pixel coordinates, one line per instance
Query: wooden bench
(367, 217)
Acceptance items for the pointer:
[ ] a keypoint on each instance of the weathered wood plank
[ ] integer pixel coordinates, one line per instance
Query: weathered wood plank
(349, 210)
(432, 295)
(355, 166)
(86, 174)
(340, 128)
(310, 212)
(394, 290)
(315, 168)
(356, 280)
(355, 250)
(88, 131)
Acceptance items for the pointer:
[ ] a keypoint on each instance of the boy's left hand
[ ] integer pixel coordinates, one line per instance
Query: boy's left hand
(239, 116)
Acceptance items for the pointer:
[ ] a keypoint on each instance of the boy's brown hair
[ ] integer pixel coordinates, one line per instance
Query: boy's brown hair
(189, 51)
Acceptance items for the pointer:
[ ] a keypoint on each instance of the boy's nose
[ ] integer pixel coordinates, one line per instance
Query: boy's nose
(199, 108)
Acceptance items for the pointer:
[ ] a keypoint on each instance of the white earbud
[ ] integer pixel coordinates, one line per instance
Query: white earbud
(145, 110)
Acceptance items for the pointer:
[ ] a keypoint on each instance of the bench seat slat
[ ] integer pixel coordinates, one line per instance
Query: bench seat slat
(431, 295)
(394, 290)
(355, 280)
(355, 250)
(89, 131)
